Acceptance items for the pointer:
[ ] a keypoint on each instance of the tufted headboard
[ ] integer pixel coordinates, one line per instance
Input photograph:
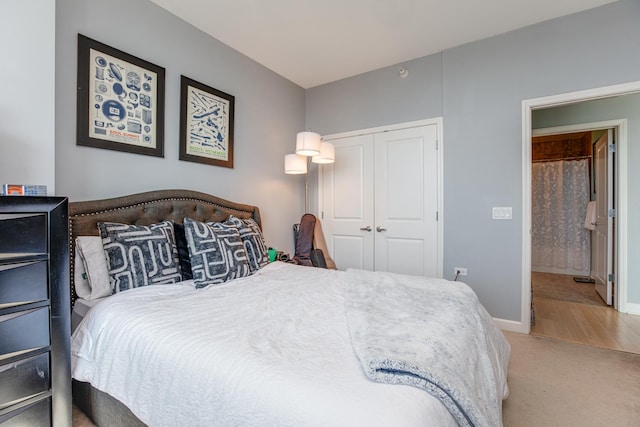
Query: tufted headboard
(148, 208)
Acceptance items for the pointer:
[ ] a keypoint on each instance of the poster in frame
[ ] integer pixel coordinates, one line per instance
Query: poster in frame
(206, 124)
(120, 104)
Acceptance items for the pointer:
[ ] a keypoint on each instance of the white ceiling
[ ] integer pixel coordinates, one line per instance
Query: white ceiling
(312, 42)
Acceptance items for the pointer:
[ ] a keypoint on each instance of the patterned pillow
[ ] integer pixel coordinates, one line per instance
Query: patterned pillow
(216, 252)
(183, 251)
(140, 255)
(253, 242)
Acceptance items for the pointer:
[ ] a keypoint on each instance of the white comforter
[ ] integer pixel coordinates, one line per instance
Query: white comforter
(432, 334)
(270, 349)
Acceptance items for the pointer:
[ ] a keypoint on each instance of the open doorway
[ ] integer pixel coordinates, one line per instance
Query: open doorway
(572, 241)
(612, 106)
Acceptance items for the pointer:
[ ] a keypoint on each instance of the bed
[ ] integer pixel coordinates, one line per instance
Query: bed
(281, 344)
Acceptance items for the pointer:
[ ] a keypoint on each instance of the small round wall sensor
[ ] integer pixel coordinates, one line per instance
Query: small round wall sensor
(403, 72)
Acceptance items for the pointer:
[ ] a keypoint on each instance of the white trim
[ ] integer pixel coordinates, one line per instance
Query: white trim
(406, 125)
(525, 300)
(622, 220)
(438, 121)
(584, 95)
(510, 325)
(580, 127)
(632, 308)
(562, 99)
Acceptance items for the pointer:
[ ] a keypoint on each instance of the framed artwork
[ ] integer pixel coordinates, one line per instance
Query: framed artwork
(120, 100)
(206, 124)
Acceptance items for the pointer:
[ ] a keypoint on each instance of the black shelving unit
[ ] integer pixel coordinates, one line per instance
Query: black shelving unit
(35, 325)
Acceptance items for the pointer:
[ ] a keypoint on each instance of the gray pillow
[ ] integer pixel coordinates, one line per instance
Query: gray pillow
(253, 241)
(140, 255)
(216, 252)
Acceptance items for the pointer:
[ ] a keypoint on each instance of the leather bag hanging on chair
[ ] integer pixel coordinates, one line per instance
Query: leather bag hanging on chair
(310, 246)
(303, 234)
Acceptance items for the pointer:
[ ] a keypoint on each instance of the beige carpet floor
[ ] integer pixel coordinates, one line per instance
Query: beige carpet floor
(557, 383)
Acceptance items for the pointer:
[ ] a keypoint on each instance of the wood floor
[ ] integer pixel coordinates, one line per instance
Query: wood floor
(574, 312)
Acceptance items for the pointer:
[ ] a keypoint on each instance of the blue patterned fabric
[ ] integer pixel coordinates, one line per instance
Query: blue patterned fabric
(253, 241)
(140, 255)
(216, 251)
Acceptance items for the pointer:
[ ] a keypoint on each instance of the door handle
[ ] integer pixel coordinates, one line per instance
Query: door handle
(379, 229)
(367, 228)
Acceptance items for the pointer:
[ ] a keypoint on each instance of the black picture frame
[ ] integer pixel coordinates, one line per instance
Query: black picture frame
(120, 100)
(206, 124)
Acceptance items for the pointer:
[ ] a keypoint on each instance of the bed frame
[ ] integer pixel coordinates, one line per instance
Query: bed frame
(138, 209)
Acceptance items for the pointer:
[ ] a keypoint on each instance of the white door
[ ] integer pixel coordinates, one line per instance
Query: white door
(380, 202)
(601, 249)
(406, 203)
(347, 208)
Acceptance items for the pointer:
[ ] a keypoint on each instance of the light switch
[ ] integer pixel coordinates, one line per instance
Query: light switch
(502, 213)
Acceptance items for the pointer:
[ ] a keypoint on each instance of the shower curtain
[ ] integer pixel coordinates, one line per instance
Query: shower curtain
(560, 193)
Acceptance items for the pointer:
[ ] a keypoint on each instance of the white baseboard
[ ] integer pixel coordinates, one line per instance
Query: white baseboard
(632, 308)
(510, 325)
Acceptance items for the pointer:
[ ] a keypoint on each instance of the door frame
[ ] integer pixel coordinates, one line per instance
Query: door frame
(620, 127)
(398, 126)
(528, 106)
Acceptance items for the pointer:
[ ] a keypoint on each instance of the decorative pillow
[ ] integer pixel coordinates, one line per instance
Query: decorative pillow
(253, 241)
(140, 255)
(183, 251)
(216, 252)
(91, 275)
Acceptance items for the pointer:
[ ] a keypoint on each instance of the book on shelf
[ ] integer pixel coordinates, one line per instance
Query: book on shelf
(23, 190)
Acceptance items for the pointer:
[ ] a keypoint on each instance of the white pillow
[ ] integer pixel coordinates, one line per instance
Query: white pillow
(91, 273)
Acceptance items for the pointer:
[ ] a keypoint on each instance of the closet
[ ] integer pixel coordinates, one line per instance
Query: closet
(380, 200)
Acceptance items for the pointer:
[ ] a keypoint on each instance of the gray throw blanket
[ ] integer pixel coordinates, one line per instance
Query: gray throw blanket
(432, 334)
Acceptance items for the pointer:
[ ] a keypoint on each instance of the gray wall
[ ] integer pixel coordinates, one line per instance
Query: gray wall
(27, 107)
(377, 98)
(269, 110)
(620, 107)
(482, 86)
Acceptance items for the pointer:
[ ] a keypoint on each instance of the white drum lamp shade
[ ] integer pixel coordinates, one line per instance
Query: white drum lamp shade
(327, 154)
(295, 164)
(308, 143)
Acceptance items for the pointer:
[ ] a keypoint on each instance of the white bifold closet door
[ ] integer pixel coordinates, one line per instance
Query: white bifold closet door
(379, 206)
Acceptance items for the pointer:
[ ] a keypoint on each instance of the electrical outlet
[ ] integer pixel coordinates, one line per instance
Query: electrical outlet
(459, 271)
